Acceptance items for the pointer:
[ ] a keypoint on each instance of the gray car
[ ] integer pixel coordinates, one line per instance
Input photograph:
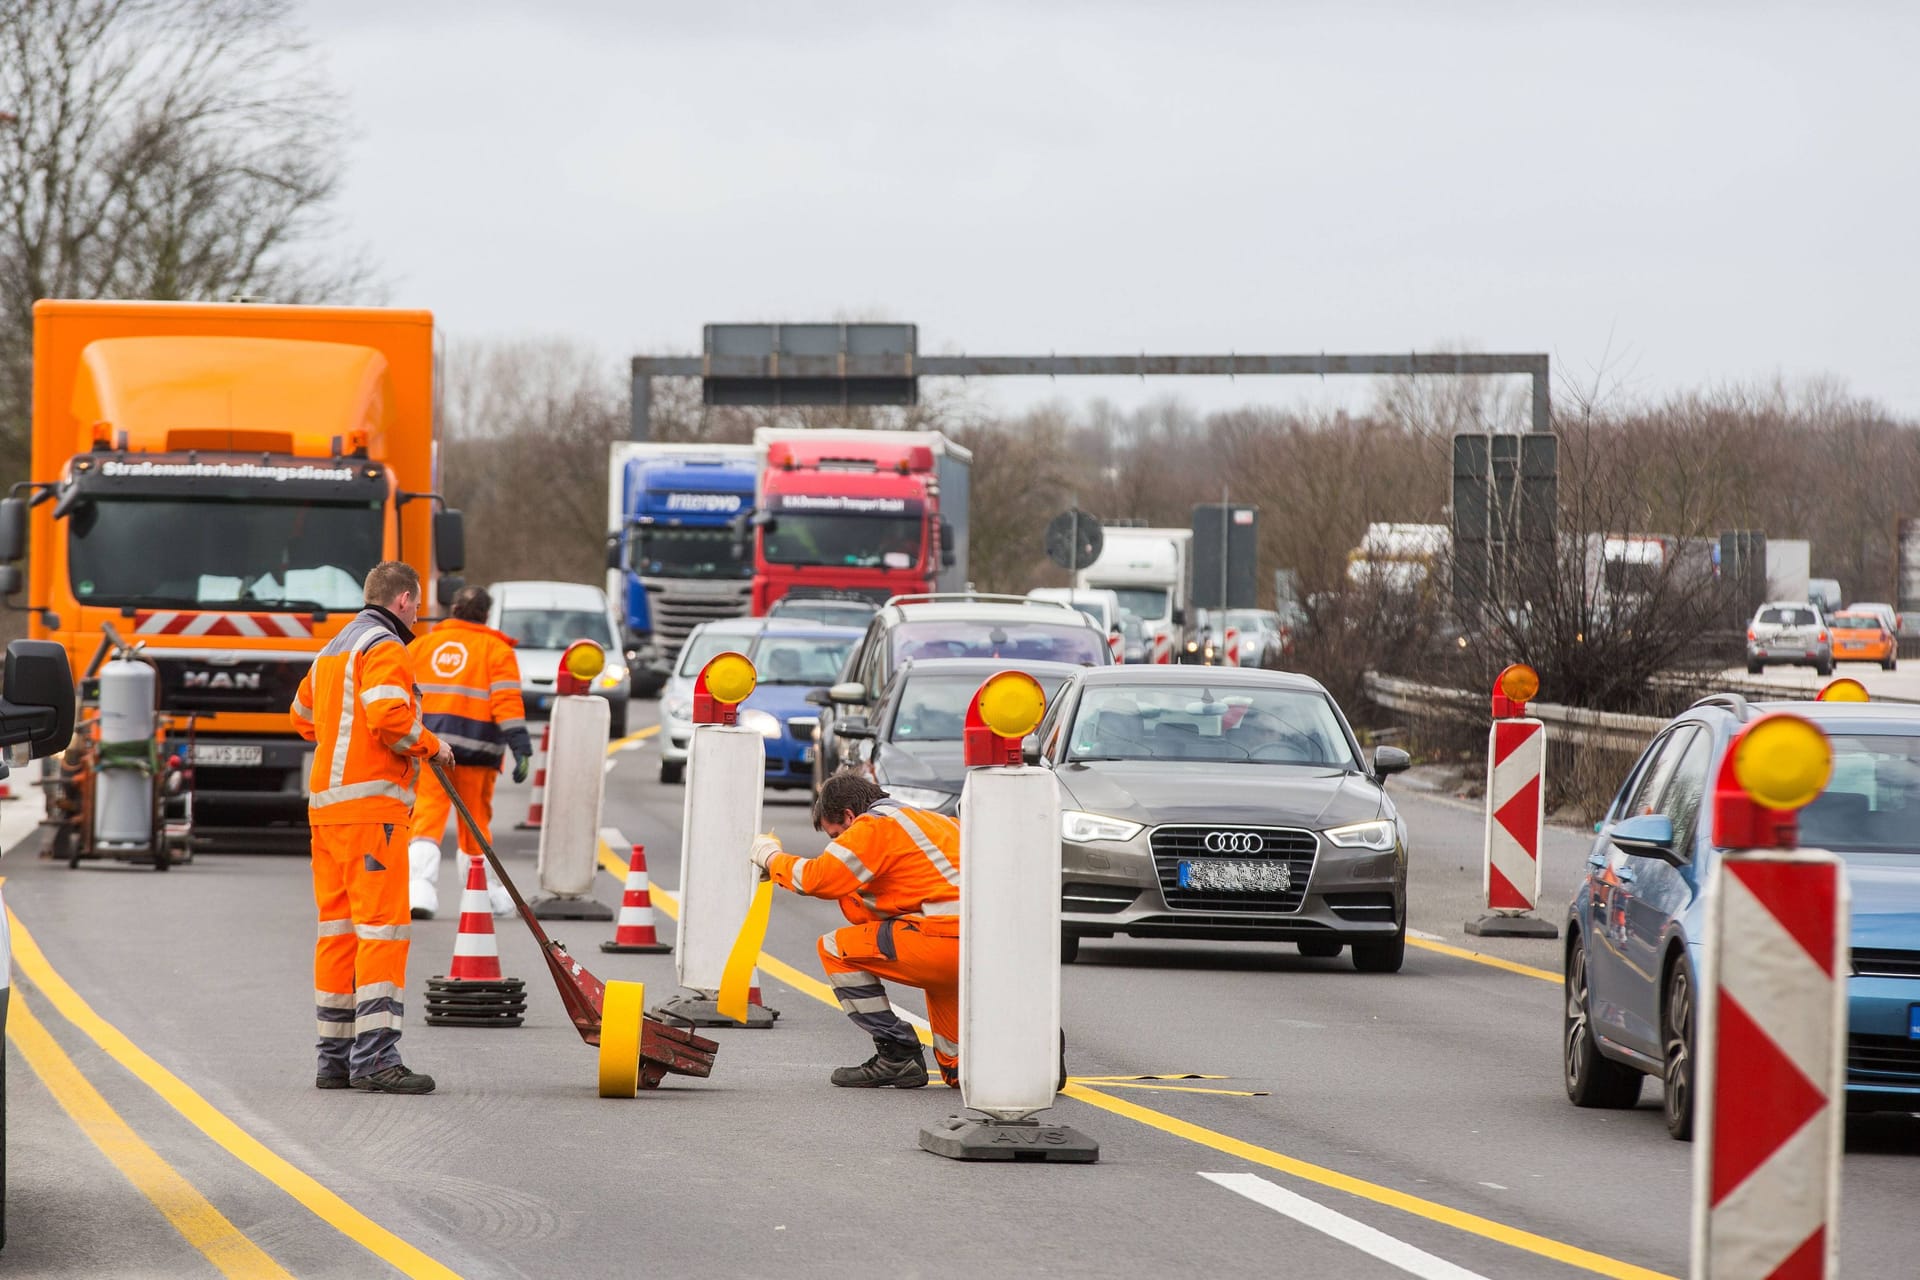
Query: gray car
(1222, 803)
(1789, 631)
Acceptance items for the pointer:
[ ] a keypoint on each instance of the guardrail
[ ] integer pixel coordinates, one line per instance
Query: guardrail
(1604, 730)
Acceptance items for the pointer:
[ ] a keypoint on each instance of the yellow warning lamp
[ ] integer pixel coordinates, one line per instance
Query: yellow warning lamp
(1007, 707)
(1773, 768)
(1845, 689)
(722, 685)
(582, 661)
(1513, 689)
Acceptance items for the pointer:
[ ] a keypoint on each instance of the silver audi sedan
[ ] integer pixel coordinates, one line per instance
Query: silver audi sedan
(1222, 803)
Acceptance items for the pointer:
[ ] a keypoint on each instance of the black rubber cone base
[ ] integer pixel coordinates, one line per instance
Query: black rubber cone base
(1024, 1141)
(1512, 927)
(704, 1011)
(638, 948)
(570, 909)
(459, 1003)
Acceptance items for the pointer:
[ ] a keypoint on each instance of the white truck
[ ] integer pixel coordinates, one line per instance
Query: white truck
(1789, 569)
(1151, 571)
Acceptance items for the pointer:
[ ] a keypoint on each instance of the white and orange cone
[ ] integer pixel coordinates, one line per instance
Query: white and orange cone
(476, 952)
(635, 930)
(537, 807)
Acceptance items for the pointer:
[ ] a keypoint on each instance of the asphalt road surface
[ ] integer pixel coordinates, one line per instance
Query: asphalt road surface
(1903, 682)
(162, 1119)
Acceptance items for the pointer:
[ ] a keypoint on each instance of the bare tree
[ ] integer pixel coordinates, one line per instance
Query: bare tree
(158, 149)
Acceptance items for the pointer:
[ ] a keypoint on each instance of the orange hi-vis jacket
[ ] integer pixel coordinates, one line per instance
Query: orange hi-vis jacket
(892, 862)
(470, 691)
(358, 703)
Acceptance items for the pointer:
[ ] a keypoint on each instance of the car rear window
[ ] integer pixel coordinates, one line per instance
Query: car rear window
(1788, 617)
(1030, 641)
(1856, 622)
(934, 708)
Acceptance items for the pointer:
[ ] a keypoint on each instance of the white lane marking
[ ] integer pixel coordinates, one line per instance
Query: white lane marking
(1379, 1244)
(609, 766)
(1422, 933)
(1496, 1186)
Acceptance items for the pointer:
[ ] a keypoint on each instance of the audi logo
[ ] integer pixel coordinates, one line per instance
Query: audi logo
(1234, 842)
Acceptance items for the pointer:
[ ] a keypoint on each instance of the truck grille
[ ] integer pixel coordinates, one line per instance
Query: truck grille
(198, 683)
(872, 595)
(1882, 1057)
(1173, 845)
(678, 606)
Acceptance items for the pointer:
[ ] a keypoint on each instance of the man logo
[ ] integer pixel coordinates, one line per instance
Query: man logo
(450, 659)
(1234, 842)
(239, 681)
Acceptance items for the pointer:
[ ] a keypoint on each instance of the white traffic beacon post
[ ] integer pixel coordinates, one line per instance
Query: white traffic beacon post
(1516, 812)
(726, 775)
(1011, 1051)
(576, 767)
(1770, 1109)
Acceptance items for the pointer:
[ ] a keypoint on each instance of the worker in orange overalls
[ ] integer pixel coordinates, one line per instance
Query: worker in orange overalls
(896, 872)
(470, 690)
(359, 705)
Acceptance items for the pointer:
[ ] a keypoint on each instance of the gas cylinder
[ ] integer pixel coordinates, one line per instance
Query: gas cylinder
(123, 786)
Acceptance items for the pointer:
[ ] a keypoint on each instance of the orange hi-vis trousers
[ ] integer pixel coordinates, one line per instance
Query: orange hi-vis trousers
(360, 958)
(914, 951)
(432, 806)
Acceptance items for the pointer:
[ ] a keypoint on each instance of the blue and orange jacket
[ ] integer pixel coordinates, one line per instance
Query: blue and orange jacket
(470, 689)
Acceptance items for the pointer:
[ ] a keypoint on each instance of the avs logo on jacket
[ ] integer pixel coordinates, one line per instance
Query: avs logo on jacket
(450, 659)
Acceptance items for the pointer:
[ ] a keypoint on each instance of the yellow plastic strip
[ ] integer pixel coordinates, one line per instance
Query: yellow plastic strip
(1479, 957)
(203, 1115)
(179, 1201)
(622, 1008)
(736, 980)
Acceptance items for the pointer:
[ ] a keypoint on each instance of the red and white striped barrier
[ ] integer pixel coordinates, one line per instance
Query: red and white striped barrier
(1516, 817)
(476, 951)
(1232, 655)
(1163, 648)
(537, 807)
(259, 626)
(1117, 646)
(1771, 1045)
(635, 929)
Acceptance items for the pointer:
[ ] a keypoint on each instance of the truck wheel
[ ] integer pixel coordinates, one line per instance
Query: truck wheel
(672, 770)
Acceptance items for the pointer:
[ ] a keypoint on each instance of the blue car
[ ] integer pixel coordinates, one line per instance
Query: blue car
(790, 658)
(1634, 929)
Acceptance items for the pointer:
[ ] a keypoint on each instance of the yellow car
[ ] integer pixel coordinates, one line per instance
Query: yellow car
(1863, 637)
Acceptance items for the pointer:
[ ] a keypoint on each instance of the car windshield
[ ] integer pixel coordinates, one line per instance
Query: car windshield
(1788, 617)
(1856, 622)
(1872, 803)
(1249, 620)
(556, 628)
(966, 638)
(864, 542)
(266, 556)
(839, 613)
(1227, 724)
(800, 659)
(703, 647)
(934, 708)
(689, 553)
(1149, 603)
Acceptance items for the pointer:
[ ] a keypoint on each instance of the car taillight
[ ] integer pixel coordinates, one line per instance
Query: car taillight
(1750, 634)
(1823, 637)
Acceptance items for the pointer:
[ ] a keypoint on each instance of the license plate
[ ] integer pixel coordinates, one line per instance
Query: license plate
(806, 755)
(221, 753)
(1222, 875)
(1913, 1022)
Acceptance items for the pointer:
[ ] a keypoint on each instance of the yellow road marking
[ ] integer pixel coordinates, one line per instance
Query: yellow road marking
(1085, 1090)
(1178, 1075)
(1480, 957)
(1094, 1083)
(179, 1201)
(638, 735)
(1472, 1224)
(203, 1115)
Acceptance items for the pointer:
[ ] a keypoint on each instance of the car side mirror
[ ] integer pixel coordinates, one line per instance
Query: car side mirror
(853, 727)
(1650, 835)
(39, 706)
(449, 541)
(818, 697)
(1030, 749)
(13, 529)
(1390, 760)
(850, 693)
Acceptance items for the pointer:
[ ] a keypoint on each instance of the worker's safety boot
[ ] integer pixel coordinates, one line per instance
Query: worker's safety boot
(395, 1079)
(896, 1066)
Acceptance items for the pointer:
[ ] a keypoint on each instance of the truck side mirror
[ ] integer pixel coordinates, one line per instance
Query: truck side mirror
(448, 587)
(449, 541)
(946, 543)
(13, 529)
(39, 705)
(613, 551)
(9, 579)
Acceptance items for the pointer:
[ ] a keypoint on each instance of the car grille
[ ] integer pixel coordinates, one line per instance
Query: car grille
(1884, 1056)
(1097, 899)
(1172, 845)
(1362, 906)
(802, 730)
(1877, 963)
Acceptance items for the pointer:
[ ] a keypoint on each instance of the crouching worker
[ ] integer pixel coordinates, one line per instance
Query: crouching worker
(896, 874)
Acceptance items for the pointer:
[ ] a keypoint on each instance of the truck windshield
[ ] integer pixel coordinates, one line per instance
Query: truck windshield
(206, 553)
(863, 542)
(689, 553)
(1147, 603)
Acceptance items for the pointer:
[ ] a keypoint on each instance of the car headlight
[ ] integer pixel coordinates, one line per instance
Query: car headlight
(767, 725)
(677, 708)
(1082, 828)
(920, 797)
(610, 678)
(1377, 834)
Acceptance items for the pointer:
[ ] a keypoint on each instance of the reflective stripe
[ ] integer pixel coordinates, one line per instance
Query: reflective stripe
(360, 791)
(943, 1045)
(501, 686)
(508, 726)
(338, 773)
(332, 928)
(474, 745)
(410, 737)
(455, 690)
(383, 692)
(793, 873)
(383, 932)
(864, 1004)
(828, 945)
(334, 1030)
(948, 872)
(854, 979)
(851, 860)
(302, 710)
(939, 908)
(377, 991)
(383, 1021)
(333, 1000)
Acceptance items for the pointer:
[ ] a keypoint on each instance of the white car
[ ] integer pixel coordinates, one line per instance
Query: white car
(544, 618)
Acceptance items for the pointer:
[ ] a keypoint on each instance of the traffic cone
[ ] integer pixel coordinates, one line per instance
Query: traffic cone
(753, 992)
(536, 808)
(473, 993)
(635, 931)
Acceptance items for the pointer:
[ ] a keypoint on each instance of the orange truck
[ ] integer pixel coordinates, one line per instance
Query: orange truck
(212, 482)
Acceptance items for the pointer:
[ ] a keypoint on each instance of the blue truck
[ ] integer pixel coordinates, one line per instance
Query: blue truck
(673, 558)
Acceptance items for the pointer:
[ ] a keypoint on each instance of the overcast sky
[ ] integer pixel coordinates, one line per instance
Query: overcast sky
(1725, 193)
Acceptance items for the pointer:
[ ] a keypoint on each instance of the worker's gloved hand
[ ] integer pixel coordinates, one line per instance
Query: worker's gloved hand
(763, 849)
(444, 756)
(522, 765)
